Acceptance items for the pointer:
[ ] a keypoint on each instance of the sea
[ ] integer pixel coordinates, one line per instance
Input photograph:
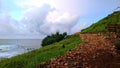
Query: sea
(13, 47)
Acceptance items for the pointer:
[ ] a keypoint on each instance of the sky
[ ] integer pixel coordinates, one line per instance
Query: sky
(35, 19)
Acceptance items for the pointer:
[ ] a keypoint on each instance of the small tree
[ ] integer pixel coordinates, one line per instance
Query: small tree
(53, 38)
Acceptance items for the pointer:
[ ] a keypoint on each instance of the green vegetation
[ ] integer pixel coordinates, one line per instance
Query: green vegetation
(53, 38)
(117, 45)
(100, 25)
(35, 57)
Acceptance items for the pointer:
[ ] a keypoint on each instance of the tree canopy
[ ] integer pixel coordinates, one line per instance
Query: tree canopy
(50, 39)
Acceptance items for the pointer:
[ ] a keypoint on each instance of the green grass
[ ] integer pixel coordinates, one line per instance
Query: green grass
(35, 57)
(100, 25)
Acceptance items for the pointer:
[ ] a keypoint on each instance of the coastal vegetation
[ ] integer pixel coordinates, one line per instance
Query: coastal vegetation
(50, 39)
(35, 57)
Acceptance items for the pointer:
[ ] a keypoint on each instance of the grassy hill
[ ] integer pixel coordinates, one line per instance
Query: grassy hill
(33, 58)
(100, 25)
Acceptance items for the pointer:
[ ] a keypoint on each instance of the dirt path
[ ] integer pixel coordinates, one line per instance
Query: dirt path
(93, 52)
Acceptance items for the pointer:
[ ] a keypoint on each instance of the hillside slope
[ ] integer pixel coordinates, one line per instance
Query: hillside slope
(94, 52)
(33, 58)
(100, 25)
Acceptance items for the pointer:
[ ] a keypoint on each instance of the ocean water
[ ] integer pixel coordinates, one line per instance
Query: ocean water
(13, 47)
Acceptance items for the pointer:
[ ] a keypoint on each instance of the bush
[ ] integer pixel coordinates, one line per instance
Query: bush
(117, 45)
(53, 38)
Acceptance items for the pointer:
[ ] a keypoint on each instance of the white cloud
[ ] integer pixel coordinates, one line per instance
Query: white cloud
(42, 20)
(57, 16)
(5, 24)
(59, 21)
(34, 18)
(46, 20)
(64, 5)
(78, 27)
(43, 17)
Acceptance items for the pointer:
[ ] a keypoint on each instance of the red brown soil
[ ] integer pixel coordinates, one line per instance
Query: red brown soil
(93, 52)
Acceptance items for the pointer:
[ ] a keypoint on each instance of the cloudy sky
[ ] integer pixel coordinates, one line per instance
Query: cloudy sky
(38, 18)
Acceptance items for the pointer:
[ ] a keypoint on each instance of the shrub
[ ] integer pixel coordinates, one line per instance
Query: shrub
(117, 45)
(53, 38)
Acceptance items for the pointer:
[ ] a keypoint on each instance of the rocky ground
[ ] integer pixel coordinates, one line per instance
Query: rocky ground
(94, 52)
